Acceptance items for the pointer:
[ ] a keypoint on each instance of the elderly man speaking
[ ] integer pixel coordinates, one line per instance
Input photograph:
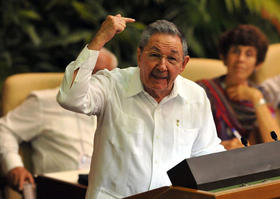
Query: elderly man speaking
(149, 117)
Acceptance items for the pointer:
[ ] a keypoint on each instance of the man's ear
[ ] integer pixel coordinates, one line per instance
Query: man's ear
(138, 55)
(185, 61)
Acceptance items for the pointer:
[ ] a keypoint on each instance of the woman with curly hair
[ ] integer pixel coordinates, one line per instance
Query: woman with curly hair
(239, 106)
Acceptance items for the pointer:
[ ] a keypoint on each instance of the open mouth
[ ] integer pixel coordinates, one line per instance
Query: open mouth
(159, 76)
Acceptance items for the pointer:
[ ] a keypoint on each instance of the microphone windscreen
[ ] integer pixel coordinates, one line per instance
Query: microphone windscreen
(244, 141)
(273, 135)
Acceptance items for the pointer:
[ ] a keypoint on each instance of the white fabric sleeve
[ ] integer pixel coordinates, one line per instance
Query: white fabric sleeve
(21, 124)
(76, 97)
(272, 87)
(9, 156)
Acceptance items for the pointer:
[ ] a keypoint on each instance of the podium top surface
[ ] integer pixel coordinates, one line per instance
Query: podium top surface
(264, 190)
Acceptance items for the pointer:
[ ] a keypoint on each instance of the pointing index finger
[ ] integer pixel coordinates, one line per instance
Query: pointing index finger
(126, 19)
(129, 20)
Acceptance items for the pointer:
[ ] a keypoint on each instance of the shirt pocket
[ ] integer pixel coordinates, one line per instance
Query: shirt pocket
(129, 135)
(184, 139)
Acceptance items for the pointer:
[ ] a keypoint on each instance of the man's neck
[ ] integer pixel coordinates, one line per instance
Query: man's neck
(158, 95)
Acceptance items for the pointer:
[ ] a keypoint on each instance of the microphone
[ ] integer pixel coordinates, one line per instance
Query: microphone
(273, 135)
(244, 141)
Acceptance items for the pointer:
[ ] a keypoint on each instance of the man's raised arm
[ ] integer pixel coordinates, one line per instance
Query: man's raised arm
(109, 28)
(75, 85)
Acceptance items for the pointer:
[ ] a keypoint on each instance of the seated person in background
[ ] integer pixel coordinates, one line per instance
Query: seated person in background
(272, 87)
(61, 140)
(239, 106)
(149, 117)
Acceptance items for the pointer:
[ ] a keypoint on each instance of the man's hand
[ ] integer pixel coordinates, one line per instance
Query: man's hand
(18, 176)
(111, 26)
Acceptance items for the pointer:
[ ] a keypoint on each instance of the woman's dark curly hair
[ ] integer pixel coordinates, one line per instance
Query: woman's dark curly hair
(247, 35)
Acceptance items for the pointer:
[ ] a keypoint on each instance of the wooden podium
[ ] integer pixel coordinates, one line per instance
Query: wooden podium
(265, 190)
(60, 185)
(57, 189)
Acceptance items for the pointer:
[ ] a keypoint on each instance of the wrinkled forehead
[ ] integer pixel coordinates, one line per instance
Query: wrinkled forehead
(165, 42)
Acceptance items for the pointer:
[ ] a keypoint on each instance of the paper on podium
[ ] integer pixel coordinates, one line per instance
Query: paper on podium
(67, 176)
(29, 191)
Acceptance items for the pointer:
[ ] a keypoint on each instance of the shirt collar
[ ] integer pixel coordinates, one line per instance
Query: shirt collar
(134, 84)
(179, 89)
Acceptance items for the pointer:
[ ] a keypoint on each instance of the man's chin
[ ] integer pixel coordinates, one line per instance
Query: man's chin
(159, 84)
(160, 87)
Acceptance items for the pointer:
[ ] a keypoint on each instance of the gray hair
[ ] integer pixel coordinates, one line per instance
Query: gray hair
(165, 27)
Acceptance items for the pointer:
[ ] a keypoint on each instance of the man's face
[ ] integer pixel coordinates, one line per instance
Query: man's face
(160, 62)
(241, 62)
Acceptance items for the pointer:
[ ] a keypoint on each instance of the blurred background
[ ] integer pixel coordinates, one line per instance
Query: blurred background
(45, 35)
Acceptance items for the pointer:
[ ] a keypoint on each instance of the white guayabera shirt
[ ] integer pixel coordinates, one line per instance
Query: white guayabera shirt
(137, 139)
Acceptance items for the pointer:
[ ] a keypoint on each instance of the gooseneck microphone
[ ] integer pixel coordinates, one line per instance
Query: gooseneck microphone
(273, 135)
(244, 141)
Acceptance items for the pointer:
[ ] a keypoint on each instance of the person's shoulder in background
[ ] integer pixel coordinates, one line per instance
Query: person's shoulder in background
(272, 88)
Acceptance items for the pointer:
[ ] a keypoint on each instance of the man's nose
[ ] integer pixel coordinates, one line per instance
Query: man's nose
(162, 64)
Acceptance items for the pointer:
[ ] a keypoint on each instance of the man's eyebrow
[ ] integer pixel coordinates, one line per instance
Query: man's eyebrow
(158, 50)
(174, 51)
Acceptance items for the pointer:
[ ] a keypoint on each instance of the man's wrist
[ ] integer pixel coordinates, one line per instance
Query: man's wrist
(96, 44)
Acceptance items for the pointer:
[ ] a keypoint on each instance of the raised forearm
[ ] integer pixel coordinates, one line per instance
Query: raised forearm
(266, 121)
